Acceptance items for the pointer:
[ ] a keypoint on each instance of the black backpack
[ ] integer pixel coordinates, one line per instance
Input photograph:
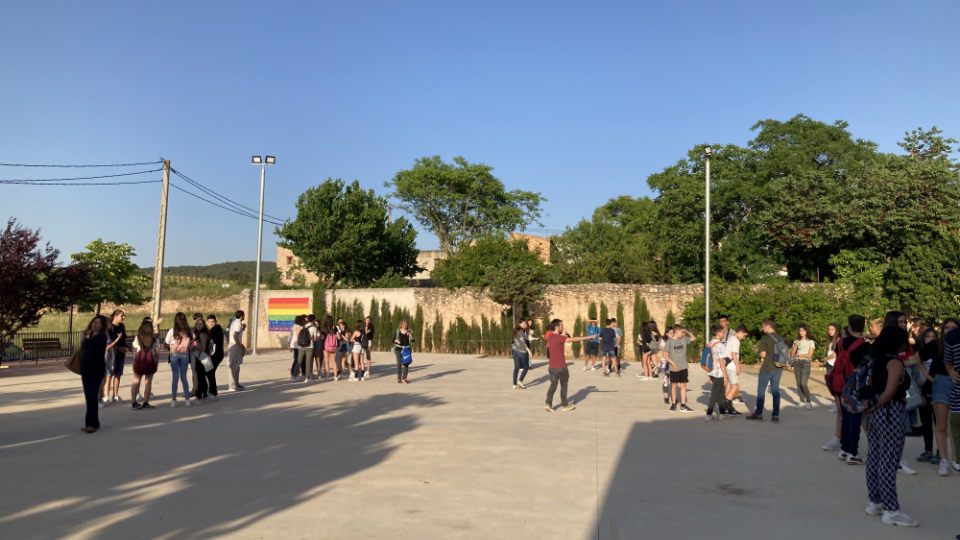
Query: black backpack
(303, 338)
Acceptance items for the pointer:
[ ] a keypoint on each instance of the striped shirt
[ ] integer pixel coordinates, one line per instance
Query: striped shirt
(951, 356)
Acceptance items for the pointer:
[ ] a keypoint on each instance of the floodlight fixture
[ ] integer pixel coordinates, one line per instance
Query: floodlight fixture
(271, 160)
(257, 160)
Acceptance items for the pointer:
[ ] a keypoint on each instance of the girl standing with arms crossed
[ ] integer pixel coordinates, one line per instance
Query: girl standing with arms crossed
(802, 350)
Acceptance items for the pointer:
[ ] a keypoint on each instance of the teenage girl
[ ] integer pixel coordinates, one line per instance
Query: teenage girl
(403, 339)
(369, 331)
(329, 336)
(833, 337)
(802, 350)
(357, 350)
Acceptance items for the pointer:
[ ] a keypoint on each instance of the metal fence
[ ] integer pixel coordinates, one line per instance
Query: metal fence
(15, 352)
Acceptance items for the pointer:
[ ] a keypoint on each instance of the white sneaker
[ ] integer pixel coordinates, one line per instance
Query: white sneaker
(187, 401)
(216, 398)
(740, 401)
(854, 460)
(874, 509)
(809, 407)
(514, 387)
(139, 398)
(832, 409)
(723, 416)
(904, 468)
(585, 368)
(899, 519)
(834, 444)
(173, 404)
(944, 468)
(798, 406)
(293, 379)
(842, 456)
(708, 418)
(595, 367)
(956, 466)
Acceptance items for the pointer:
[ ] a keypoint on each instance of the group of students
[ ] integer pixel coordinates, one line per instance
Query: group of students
(198, 349)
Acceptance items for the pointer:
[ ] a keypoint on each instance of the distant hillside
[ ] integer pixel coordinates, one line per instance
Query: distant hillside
(228, 271)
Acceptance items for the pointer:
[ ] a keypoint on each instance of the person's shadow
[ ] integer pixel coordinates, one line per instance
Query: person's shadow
(582, 394)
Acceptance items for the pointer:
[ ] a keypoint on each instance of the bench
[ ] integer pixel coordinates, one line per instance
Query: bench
(40, 344)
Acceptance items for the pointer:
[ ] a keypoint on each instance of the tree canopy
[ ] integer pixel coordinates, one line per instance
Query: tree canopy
(462, 202)
(474, 265)
(115, 278)
(341, 234)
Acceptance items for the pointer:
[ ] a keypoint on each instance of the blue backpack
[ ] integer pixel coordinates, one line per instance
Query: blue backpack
(706, 359)
(858, 395)
(405, 356)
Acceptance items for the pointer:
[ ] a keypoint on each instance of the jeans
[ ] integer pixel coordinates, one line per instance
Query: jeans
(801, 370)
(179, 362)
(850, 431)
(521, 360)
(772, 377)
(401, 367)
(561, 375)
(716, 396)
(201, 387)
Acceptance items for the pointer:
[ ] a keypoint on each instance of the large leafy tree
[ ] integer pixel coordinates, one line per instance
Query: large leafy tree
(341, 234)
(462, 202)
(474, 265)
(31, 281)
(116, 278)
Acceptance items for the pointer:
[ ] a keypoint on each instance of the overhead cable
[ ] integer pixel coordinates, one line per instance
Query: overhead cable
(244, 214)
(72, 166)
(80, 178)
(34, 183)
(222, 199)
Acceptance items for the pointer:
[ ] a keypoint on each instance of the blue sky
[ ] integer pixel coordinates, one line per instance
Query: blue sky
(578, 100)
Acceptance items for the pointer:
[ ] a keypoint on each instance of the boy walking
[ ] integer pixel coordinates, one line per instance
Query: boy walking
(677, 358)
(718, 374)
(733, 367)
(592, 345)
(556, 341)
(608, 338)
(769, 371)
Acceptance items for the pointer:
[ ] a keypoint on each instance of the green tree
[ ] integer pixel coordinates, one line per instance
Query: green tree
(670, 321)
(115, 278)
(515, 284)
(925, 279)
(592, 311)
(342, 235)
(578, 330)
(641, 314)
(928, 145)
(319, 302)
(474, 265)
(462, 202)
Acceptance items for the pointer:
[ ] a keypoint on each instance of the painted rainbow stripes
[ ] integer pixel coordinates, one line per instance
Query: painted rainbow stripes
(282, 311)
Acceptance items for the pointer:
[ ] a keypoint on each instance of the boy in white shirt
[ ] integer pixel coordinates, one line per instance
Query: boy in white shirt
(718, 374)
(733, 367)
(236, 350)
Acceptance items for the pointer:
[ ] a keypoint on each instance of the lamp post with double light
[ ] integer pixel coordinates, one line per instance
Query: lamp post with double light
(268, 160)
(706, 283)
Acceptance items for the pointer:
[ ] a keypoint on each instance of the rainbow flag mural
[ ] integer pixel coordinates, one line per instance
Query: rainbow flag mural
(282, 311)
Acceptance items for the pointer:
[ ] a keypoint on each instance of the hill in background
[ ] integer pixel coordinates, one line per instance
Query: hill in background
(239, 271)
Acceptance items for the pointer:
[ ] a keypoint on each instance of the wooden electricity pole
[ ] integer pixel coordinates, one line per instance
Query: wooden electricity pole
(161, 243)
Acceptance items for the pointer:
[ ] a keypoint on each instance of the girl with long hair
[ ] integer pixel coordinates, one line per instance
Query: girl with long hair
(645, 339)
(521, 354)
(329, 336)
(198, 347)
(802, 350)
(93, 369)
(369, 331)
(941, 388)
(833, 338)
(929, 349)
(145, 341)
(179, 338)
(356, 349)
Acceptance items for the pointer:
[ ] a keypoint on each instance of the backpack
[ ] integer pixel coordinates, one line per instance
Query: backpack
(364, 341)
(303, 338)
(406, 357)
(330, 342)
(781, 354)
(842, 368)
(706, 359)
(858, 395)
(144, 362)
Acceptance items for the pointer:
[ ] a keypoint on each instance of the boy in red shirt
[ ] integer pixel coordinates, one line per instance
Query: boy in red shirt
(556, 340)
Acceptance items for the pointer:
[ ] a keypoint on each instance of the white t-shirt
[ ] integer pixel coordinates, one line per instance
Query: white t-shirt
(733, 347)
(718, 352)
(235, 328)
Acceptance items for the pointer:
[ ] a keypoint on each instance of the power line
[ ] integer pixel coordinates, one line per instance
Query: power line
(72, 166)
(244, 214)
(29, 183)
(80, 178)
(223, 199)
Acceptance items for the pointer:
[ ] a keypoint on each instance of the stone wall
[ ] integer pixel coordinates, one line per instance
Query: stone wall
(189, 306)
(565, 302)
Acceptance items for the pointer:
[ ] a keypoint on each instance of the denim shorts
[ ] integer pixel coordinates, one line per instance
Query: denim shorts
(608, 354)
(119, 361)
(942, 386)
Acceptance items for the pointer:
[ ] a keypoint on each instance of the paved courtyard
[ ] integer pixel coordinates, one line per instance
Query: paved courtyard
(455, 454)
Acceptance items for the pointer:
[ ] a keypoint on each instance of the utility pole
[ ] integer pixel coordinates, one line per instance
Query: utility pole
(256, 285)
(390, 215)
(706, 282)
(161, 243)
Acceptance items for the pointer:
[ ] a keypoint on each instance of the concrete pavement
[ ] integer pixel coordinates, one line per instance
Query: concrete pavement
(455, 454)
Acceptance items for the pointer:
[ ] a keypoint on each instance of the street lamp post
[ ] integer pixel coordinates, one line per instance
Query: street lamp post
(706, 282)
(270, 160)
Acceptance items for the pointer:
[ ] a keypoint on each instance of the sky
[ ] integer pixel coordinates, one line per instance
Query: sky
(580, 101)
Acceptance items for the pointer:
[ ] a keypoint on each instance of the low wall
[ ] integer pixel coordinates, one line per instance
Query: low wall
(565, 302)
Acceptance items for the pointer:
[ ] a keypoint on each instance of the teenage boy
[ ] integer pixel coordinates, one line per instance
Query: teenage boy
(592, 345)
(856, 349)
(313, 326)
(616, 349)
(556, 340)
(236, 351)
(769, 371)
(733, 367)
(676, 347)
(608, 339)
(216, 337)
(718, 374)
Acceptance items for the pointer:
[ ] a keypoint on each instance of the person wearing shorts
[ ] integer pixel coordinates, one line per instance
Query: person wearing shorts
(679, 375)
(616, 349)
(733, 367)
(608, 349)
(592, 345)
(313, 326)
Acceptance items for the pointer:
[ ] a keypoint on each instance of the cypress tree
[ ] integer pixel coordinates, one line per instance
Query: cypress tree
(577, 331)
(621, 323)
(592, 311)
(670, 321)
(418, 329)
(438, 333)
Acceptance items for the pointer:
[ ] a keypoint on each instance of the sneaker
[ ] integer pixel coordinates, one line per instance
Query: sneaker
(874, 509)
(925, 457)
(405, 381)
(809, 406)
(775, 419)
(140, 398)
(618, 374)
(136, 406)
(520, 385)
(118, 399)
(241, 387)
(709, 418)
(147, 405)
(514, 387)
(723, 416)
(399, 381)
(548, 407)
(899, 519)
(666, 401)
(673, 408)
(595, 367)
(832, 409)
(740, 401)
(834, 444)
(798, 406)
(293, 379)
(102, 404)
(905, 469)
(854, 460)
(955, 465)
(936, 458)
(944, 468)
(684, 408)
(569, 407)
(173, 404)
(842, 456)
(755, 417)
(585, 368)
(187, 401)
